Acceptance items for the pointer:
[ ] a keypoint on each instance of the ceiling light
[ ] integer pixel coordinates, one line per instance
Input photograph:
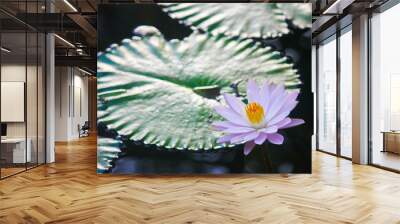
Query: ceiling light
(5, 50)
(84, 71)
(70, 5)
(333, 6)
(337, 7)
(65, 41)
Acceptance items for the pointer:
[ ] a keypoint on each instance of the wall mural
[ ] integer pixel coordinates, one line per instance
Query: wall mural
(204, 88)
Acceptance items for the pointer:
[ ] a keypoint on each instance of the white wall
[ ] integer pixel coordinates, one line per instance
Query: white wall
(80, 109)
(62, 81)
(12, 73)
(71, 102)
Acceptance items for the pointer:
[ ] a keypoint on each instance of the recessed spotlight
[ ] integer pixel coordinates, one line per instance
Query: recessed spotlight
(84, 71)
(70, 5)
(5, 50)
(65, 41)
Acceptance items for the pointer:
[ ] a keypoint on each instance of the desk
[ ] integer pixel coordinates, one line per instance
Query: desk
(18, 149)
(391, 141)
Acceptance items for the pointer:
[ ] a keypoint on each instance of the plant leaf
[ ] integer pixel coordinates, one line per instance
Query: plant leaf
(241, 19)
(163, 92)
(299, 13)
(107, 150)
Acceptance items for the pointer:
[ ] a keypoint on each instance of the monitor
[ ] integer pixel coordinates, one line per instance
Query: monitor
(3, 129)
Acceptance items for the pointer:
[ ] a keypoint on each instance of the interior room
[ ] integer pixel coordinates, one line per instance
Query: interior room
(22, 99)
(147, 111)
(385, 107)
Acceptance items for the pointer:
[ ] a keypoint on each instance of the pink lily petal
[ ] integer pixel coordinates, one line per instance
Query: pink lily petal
(239, 130)
(265, 94)
(278, 104)
(250, 136)
(276, 138)
(272, 87)
(279, 90)
(235, 103)
(261, 138)
(269, 130)
(248, 147)
(276, 96)
(217, 128)
(282, 123)
(279, 117)
(253, 92)
(222, 125)
(288, 107)
(283, 113)
(226, 138)
(294, 122)
(231, 116)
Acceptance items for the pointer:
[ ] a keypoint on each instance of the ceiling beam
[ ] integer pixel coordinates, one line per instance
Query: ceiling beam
(86, 26)
(76, 16)
(79, 61)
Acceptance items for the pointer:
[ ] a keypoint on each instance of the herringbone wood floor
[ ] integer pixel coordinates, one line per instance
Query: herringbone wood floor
(69, 191)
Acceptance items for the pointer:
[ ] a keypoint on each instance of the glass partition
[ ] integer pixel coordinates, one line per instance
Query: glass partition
(22, 77)
(32, 97)
(346, 93)
(327, 96)
(13, 94)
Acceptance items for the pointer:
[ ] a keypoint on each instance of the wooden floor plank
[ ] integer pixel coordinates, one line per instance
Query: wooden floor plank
(70, 191)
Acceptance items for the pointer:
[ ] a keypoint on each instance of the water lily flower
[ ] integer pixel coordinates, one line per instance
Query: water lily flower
(260, 120)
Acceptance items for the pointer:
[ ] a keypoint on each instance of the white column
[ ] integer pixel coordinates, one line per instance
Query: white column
(360, 90)
(50, 100)
(50, 93)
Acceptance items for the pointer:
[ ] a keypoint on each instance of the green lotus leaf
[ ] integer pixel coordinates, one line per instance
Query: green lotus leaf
(163, 92)
(299, 13)
(241, 19)
(107, 151)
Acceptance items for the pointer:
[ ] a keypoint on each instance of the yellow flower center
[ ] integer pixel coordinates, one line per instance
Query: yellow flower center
(255, 113)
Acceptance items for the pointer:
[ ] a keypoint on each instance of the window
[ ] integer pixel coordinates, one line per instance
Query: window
(346, 93)
(385, 89)
(327, 96)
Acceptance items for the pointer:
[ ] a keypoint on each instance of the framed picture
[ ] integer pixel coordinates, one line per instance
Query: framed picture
(204, 88)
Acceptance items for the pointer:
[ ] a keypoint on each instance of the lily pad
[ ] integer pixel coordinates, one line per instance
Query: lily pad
(107, 151)
(163, 92)
(299, 13)
(265, 20)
